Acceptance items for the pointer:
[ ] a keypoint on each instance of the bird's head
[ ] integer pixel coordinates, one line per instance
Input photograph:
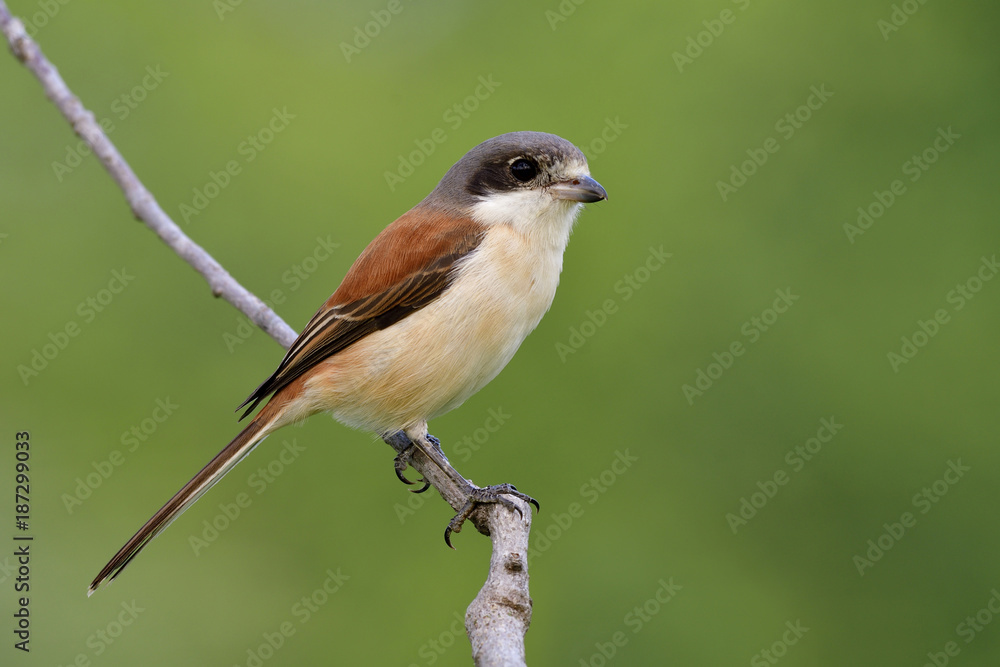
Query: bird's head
(533, 181)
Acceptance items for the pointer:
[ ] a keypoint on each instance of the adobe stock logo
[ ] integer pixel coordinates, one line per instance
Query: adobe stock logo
(924, 500)
(899, 16)
(260, 481)
(47, 11)
(696, 44)
(636, 619)
(779, 649)
(627, 287)
(454, 116)
(87, 484)
(914, 168)
(753, 329)
(295, 276)
(542, 538)
(363, 35)
(796, 458)
(566, 9)
(968, 629)
(958, 297)
(88, 310)
(122, 107)
(302, 611)
(105, 636)
(609, 134)
(252, 146)
(786, 126)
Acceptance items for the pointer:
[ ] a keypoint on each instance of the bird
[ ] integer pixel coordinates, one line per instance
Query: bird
(431, 311)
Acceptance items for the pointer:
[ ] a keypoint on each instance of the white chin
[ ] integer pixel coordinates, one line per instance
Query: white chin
(532, 212)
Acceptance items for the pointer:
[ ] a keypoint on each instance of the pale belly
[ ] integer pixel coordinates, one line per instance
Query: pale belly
(433, 360)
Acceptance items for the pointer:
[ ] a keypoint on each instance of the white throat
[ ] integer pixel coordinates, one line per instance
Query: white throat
(535, 214)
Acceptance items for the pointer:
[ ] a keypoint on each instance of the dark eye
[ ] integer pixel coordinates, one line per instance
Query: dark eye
(523, 170)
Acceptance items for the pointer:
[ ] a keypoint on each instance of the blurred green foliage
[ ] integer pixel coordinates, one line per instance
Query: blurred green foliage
(739, 137)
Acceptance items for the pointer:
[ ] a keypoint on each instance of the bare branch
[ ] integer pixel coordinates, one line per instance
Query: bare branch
(498, 618)
(140, 200)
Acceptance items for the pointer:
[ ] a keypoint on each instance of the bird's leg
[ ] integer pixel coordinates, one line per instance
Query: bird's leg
(404, 448)
(474, 495)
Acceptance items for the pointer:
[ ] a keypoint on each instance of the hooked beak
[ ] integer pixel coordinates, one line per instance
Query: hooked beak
(582, 189)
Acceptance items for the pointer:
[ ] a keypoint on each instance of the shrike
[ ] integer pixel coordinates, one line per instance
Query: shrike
(429, 313)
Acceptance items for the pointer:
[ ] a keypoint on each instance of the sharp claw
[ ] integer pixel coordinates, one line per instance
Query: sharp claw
(401, 463)
(402, 477)
(522, 496)
(447, 537)
(426, 486)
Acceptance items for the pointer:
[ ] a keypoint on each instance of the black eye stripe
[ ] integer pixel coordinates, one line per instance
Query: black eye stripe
(506, 173)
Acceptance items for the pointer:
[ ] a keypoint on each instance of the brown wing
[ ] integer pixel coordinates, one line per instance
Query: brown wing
(407, 266)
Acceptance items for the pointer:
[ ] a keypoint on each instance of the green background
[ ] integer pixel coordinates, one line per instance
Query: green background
(672, 130)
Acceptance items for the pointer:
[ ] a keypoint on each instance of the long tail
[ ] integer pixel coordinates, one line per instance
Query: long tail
(223, 462)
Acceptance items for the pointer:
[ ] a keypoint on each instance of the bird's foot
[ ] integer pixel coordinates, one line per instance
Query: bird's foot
(482, 496)
(405, 455)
